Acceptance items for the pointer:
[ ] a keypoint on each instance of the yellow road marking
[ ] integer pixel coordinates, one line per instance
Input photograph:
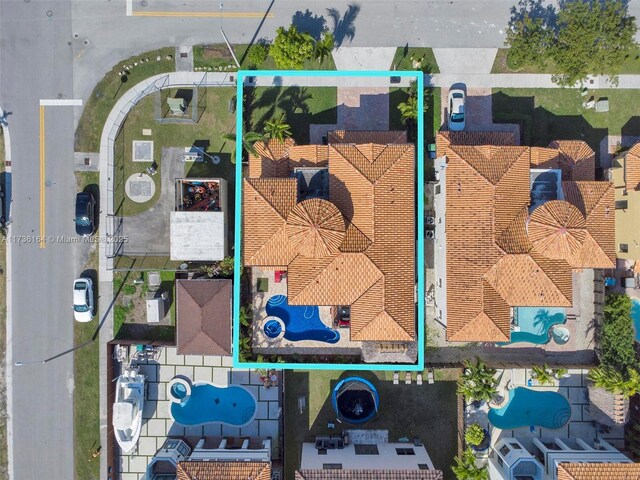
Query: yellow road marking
(203, 14)
(42, 179)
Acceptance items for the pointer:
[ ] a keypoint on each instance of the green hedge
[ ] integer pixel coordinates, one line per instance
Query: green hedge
(616, 335)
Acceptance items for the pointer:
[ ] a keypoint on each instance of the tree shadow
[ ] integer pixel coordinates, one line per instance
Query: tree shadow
(309, 23)
(535, 9)
(344, 25)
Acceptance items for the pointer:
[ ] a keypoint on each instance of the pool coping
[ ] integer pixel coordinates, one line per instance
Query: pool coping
(419, 251)
(195, 384)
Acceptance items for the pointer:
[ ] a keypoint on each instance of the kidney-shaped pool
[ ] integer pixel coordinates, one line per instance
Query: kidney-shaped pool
(528, 407)
(233, 405)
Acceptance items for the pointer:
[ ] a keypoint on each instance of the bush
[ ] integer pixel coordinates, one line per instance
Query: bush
(616, 335)
(474, 435)
(258, 53)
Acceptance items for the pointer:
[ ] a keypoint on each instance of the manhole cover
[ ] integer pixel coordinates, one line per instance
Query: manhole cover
(144, 3)
(76, 36)
(48, 183)
(49, 13)
(85, 42)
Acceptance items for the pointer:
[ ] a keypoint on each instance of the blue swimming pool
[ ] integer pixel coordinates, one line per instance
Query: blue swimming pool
(635, 316)
(300, 322)
(528, 407)
(534, 324)
(234, 405)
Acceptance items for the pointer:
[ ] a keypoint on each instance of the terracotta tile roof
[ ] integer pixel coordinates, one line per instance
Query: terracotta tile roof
(369, 475)
(308, 156)
(212, 470)
(381, 137)
(632, 167)
(500, 256)
(315, 228)
(272, 159)
(447, 138)
(576, 160)
(203, 309)
(336, 250)
(598, 471)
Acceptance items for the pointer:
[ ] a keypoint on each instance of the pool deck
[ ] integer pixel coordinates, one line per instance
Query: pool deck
(581, 424)
(157, 423)
(266, 345)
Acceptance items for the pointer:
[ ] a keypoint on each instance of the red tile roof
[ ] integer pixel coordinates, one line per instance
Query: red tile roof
(599, 471)
(500, 256)
(360, 243)
(369, 475)
(212, 470)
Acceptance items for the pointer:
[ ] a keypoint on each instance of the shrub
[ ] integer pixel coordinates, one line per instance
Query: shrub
(290, 48)
(616, 336)
(258, 53)
(477, 382)
(543, 374)
(615, 382)
(466, 469)
(474, 435)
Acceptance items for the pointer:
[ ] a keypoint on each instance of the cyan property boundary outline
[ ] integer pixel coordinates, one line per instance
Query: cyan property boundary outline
(418, 76)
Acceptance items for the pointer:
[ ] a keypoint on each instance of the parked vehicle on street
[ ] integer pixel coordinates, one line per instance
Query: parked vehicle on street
(85, 214)
(83, 299)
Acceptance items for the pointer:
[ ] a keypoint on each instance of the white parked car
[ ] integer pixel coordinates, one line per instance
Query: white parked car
(83, 299)
(456, 109)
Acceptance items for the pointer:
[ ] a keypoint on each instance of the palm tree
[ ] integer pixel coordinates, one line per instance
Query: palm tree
(409, 109)
(466, 469)
(277, 128)
(542, 374)
(477, 382)
(248, 140)
(614, 381)
(323, 47)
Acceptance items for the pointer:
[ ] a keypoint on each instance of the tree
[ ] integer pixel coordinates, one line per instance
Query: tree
(616, 334)
(581, 38)
(475, 435)
(543, 374)
(615, 382)
(323, 47)
(248, 140)
(409, 109)
(277, 128)
(466, 469)
(258, 53)
(291, 48)
(477, 382)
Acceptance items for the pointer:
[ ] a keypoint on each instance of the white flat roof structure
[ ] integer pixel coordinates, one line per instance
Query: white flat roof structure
(198, 236)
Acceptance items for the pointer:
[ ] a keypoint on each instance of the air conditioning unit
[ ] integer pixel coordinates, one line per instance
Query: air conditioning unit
(430, 234)
(431, 221)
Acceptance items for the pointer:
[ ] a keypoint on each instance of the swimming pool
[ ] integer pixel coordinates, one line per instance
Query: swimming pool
(300, 322)
(234, 405)
(635, 316)
(534, 323)
(528, 407)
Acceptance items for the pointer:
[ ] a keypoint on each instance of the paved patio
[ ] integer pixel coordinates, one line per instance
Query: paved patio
(157, 424)
(581, 424)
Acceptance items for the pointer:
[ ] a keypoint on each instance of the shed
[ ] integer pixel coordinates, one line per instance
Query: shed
(203, 312)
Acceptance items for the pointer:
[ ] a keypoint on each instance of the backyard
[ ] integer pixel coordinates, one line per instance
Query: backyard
(214, 120)
(427, 411)
(557, 114)
(301, 106)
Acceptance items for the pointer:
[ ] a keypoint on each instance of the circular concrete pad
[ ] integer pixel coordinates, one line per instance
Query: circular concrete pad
(140, 187)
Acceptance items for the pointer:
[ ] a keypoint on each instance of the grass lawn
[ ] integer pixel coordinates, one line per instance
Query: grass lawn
(427, 411)
(86, 392)
(402, 59)
(503, 65)
(110, 89)
(557, 114)
(4, 473)
(217, 55)
(302, 106)
(215, 119)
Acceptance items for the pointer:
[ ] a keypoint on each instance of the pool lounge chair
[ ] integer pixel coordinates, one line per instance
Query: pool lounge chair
(407, 378)
(396, 378)
(419, 379)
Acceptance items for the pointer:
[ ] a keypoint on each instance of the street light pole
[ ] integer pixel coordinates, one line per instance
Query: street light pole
(226, 40)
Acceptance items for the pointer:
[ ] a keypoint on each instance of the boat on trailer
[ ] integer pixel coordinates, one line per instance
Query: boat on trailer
(127, 408)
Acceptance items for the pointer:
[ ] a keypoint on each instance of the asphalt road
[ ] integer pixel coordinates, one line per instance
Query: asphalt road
(41, 59)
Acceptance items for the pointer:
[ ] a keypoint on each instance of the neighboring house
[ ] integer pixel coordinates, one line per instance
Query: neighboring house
(220, 458)
(560, 459)
(625, 175)
(517, 222)
(203, 312)
(198, 226)
(365, 455)
(339, 220)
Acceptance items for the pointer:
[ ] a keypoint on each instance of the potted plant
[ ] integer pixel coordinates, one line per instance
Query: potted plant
(477, 438)
(542, 374)
(477, 383)
(466, 468)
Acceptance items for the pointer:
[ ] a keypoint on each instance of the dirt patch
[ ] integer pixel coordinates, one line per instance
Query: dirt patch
(212, 52)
